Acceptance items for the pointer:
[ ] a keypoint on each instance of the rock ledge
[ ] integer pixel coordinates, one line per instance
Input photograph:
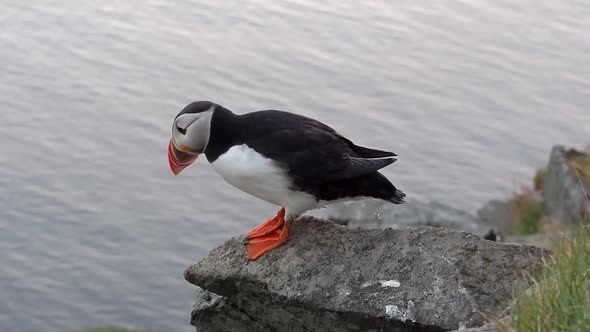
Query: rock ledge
(330, 277)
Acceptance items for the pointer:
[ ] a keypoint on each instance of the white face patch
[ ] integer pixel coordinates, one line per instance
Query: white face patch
(185, 120)
(191, 131)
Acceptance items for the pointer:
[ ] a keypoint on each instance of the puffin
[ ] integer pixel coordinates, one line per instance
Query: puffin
(286, 159)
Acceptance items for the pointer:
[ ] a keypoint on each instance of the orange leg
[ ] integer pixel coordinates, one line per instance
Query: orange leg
(268, 226)
(268, 237)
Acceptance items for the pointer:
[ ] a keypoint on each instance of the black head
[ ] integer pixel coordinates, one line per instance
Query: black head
(197, 107)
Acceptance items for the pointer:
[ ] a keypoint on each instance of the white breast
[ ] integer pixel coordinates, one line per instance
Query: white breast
(246, 169)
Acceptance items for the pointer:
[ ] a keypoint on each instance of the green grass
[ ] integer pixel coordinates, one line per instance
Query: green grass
(528, 214)
(559, 299)
(530, 222)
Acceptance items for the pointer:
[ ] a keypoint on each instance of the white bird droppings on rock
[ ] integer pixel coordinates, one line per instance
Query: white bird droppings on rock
(392, 311)
(390, 283)
(401, 313)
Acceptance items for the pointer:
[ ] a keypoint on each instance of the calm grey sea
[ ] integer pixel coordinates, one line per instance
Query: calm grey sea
(95, 230)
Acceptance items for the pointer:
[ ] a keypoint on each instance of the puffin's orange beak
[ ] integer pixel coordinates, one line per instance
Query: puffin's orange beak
(179, 160)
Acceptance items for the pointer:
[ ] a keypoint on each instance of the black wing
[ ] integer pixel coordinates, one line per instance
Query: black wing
(309, 149)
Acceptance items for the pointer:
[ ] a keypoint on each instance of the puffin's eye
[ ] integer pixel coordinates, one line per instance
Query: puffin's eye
(181, 130)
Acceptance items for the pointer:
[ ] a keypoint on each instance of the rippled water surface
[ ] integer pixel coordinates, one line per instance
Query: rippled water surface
(95, 230)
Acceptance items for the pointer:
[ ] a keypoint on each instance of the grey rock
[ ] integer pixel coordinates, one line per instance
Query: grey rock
(502, 324)
(212, 313)
(377, 215)
(335, 278)
(564, 194)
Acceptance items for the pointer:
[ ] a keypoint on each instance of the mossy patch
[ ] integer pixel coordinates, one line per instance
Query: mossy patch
(581, 165)
(528, 213)
(539, 179)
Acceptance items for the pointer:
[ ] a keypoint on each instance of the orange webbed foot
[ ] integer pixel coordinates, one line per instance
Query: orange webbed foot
(268, 236)
(268, 226)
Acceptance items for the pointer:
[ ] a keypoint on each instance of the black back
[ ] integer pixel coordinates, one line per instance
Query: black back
(318, 159)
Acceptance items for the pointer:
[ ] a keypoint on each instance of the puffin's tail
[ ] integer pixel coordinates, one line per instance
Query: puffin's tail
(381, 187)
(374, 185)
(397, 197)
(390, 192)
